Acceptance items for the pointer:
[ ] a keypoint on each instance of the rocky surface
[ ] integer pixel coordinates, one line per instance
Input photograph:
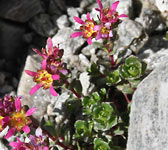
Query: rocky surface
(27, 24)
(41, 98)
(20, 11)
(148, 117)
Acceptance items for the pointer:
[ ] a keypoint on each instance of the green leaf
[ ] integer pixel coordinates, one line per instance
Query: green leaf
(83, 129)
(133, 68)
(167, 35)
(118, 131)
(96, 96)
(76, 85)
(102, 92)
(104, 117)
(94, 69)
(134, 83)
(113, 78)
(125, 88)
(99, 144)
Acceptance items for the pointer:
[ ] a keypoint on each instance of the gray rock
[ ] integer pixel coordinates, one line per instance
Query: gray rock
(2, 78)
(2, 146)
(150, 19)
(129, 32)
(154, 52)
(162, 5)
(10, 35)
(70, 45)
(154, 60)
(85, 81)
(125, 7)
(73, 12)
(56, 7)
(62, 22)
(43, 25)
(148, 118)
(19, 10)
(4, 89)
(56, 106)
(41, 98)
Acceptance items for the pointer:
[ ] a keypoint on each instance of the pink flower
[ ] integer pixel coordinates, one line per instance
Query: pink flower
(37, 142)
(86, 29)
(103, 31)
(19, 119)
(109, 14)
(43, 79)
(52, 58)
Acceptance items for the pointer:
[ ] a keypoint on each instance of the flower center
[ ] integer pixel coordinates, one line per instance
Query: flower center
(19, 120)
(104, 30)
(44, 78)
(87, 29)
(1, 123)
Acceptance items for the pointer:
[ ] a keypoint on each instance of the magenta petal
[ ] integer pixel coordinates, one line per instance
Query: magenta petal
(5, 120)
(88, 17)
(10, 133)
(31, 111)
(43, 64)
(89, 40)
(63, 71)
(100, 4)
(13, 144)
(26, 129)
(49, 45)
(76, 34)
(35, 88)
(108, 25)
(38, 132)
(18, 104)
(97, 9)
(78, 20)
(114, 6)
(38, 52)
(97, 27)
(98, 36)
(122, 15)
(110, 34)
(52, 91)
(45, 148)
(55, 77)
(31, 73)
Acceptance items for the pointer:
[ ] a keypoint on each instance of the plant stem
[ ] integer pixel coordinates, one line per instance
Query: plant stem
(72, 90)
(127, 99)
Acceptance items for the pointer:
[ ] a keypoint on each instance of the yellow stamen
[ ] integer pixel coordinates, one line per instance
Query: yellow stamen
(19, 119)
(44, 78)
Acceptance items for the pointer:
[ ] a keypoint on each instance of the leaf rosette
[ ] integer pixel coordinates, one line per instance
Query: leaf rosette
(99, 144)
(133, 68)
(83, 129)
(104, 117)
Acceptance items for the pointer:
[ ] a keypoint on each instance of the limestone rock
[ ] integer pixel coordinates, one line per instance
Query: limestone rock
(43, 25)
(70, 45)
(62, 22)
(163, 7)
(41, 98)
(130, 31)
(19, 10)
(10, 35)
(148, 118)
(150, 19)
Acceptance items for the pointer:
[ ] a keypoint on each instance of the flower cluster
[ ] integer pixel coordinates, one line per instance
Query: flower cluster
(101, 29)
(14, 116)
(37, 142)
(52, 68)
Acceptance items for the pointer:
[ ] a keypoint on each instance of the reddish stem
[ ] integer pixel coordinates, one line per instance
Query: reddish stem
(73, 91)
(127, 99)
